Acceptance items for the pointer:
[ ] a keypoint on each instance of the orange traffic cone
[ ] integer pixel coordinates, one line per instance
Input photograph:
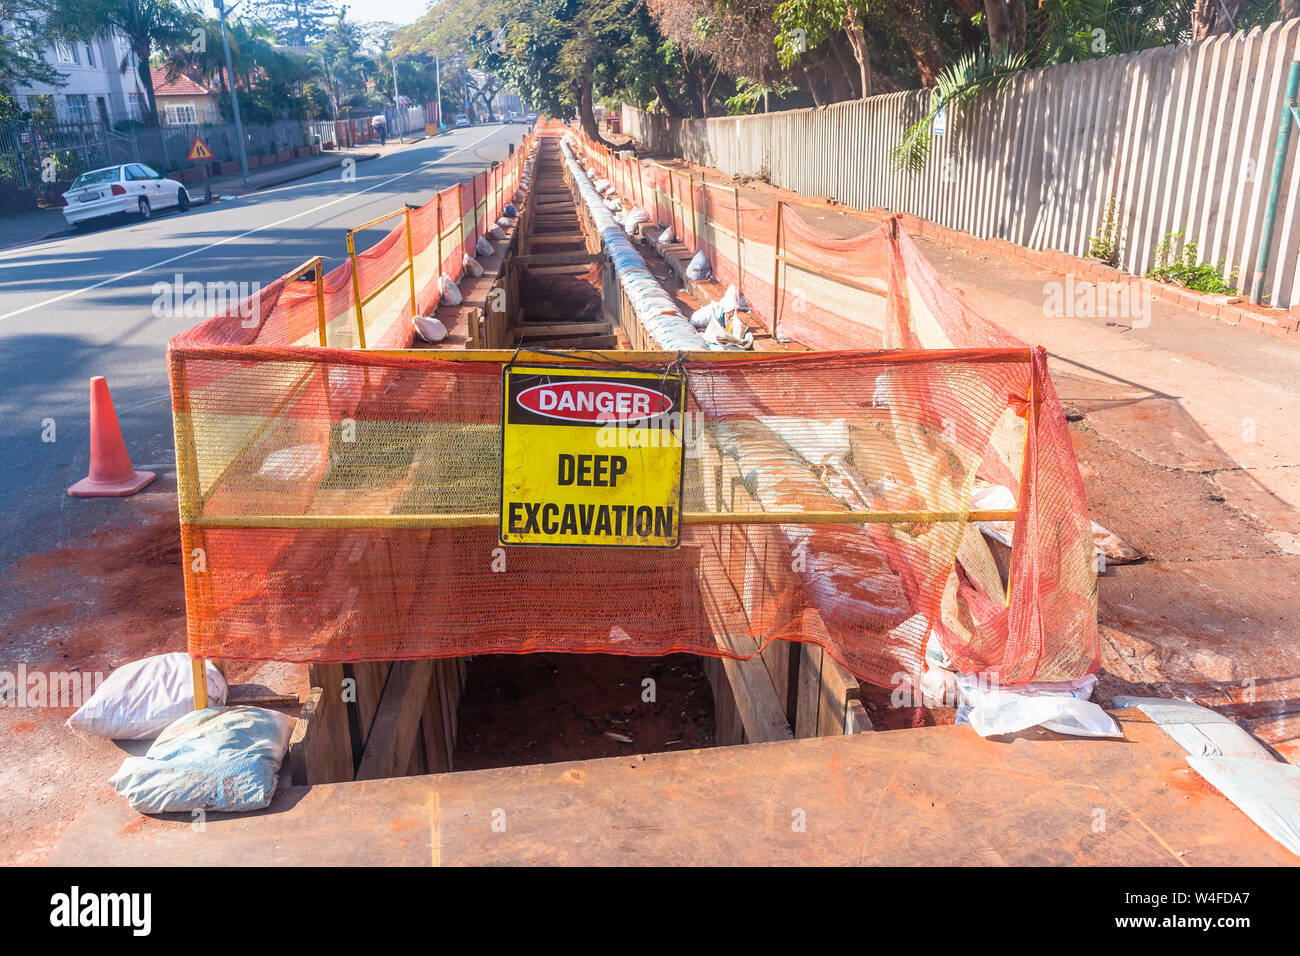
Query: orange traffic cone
(111, 474)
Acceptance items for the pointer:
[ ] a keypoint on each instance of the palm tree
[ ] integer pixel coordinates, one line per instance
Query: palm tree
(149, 25)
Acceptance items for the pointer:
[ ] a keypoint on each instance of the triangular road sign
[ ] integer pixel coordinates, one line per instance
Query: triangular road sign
(199, 150)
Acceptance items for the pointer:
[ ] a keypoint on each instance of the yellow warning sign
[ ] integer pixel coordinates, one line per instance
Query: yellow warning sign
(199, 150)
(591, 457)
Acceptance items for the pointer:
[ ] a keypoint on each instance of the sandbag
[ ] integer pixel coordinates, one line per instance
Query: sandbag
(429, 329)
(483, 247)
(505, 222)
(668, 235)
(221, 759)
(733, 301)
(633, 219)
(1062, 707)
(450, 294)
(701, 317)
(496, 232)
(699, 267)
(293, 464)
(139, 699)
(471, 265)
(511, 211)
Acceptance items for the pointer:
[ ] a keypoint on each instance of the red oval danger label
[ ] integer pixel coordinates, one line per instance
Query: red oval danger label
(594, 401)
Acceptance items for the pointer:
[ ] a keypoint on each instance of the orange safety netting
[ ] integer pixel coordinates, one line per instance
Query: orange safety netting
(344, 503)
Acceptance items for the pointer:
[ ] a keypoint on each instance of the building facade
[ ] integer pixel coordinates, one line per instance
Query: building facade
(97, 90)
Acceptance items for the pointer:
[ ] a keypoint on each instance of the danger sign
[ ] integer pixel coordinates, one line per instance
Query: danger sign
(199, 150)
(591, 457)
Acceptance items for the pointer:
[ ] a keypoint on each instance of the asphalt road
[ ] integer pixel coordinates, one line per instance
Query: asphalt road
(83, 305)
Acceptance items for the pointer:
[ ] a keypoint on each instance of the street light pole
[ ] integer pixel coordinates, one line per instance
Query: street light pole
(230, 82)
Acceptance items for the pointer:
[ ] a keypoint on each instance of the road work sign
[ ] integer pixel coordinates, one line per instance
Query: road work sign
(199, 150)
(591, 457)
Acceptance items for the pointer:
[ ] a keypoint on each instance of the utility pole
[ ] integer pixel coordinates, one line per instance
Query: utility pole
(397, 102)
(230, 81)
(437, 82)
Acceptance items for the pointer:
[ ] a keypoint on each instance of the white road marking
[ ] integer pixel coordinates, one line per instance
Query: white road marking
(222, 242)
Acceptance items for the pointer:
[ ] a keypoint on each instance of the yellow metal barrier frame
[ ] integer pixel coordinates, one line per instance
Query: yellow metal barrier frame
(359, 303)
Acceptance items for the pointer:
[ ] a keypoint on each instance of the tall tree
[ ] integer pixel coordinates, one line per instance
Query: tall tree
(149, 26)
(297, 22)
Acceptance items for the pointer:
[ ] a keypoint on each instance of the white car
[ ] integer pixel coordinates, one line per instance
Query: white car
(462, 120)
(132, 188)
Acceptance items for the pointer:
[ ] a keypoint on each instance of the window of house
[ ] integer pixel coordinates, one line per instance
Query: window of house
(65, 52)
(133, 105)
(180, 115)
(90, 55)
(78, 107)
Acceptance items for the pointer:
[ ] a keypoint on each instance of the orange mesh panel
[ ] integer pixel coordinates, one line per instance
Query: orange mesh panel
(309, 577)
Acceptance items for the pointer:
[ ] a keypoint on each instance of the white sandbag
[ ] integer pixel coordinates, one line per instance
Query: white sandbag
(496, 232)
(429, 329)
(728, 333)
(668, 235)
(600, 185)
(699, 267)
(139, 699)
(221, 759)
(471, 265)
(939, 687)
(634, 218)
(817, 442)
(701, 317)
(1062, 707)
(450, 294)
(1198, 730)
(1267, 791)
(733, 301)
(613, 205)
(505, 222)
(995, 498)
(293, 464)
(483, 247)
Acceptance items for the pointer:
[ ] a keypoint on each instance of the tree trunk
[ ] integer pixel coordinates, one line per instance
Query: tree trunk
(666, 100)
(847, 60)
(811, 86)
(858, 41)
(1006, 19)
(1210, 19)
(586, 108)
(921, 40)
(1290, 10)
(146, 79)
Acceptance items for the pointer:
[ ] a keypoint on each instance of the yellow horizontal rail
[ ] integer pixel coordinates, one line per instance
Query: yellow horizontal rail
(490, 519)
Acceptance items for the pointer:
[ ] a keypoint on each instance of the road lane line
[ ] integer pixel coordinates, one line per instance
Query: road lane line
(221, 242)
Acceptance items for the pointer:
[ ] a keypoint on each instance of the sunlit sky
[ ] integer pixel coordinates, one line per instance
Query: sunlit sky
(400, 12)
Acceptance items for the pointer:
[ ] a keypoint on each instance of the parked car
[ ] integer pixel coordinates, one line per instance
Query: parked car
(462, 120)
(532, 117)
(132, 188)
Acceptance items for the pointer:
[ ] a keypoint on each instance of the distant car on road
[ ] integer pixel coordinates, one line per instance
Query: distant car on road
(462, 120)
(131, 188)
(532, 117)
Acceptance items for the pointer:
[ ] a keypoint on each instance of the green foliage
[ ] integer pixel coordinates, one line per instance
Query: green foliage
(296, 22)
(803, 25)
(750, 94)
(1105, 245)
(975, 73)
(1176, 261)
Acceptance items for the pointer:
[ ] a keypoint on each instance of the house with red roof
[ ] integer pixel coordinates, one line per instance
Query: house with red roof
(183, 101)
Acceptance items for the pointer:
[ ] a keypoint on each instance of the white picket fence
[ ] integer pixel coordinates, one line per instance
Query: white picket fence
(1180, 138)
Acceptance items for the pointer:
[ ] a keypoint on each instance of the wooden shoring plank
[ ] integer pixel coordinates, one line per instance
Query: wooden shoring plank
(529, 329)
(760, 711)
(576, 342)
(559, 258)
(320, 750)
(393, 733)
